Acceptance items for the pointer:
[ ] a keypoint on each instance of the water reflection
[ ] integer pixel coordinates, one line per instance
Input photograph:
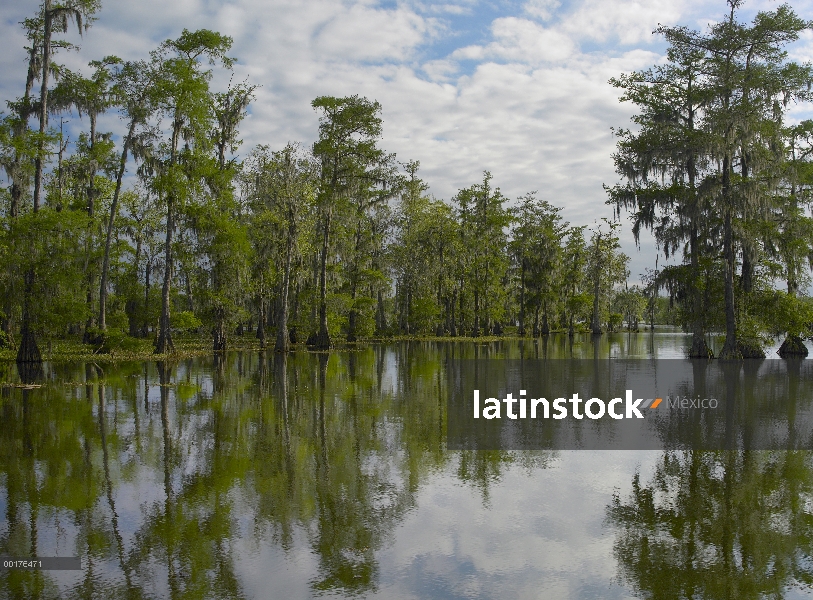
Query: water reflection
(262, 475)
(702, 405)
(717, 525)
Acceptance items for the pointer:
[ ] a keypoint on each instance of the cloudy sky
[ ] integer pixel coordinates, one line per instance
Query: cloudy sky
(516, 88)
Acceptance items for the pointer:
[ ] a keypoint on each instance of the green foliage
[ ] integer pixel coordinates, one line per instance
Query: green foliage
(630, 303)
(186, 321)
(614, 321)
(483, 223)
(713, 171)
(783, 313)
(606, 266)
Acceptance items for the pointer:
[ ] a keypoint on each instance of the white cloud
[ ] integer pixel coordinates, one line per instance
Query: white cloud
(541, 9)
(520, 40)
(366, 33)
(449, 9)
(628, 21)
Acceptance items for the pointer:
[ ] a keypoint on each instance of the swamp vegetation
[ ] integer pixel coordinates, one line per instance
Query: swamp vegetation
(165, 229)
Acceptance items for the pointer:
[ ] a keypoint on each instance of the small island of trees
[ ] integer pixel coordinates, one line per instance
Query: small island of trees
(166, 229)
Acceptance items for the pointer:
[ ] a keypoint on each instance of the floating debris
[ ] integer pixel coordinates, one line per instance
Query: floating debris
(22, 386)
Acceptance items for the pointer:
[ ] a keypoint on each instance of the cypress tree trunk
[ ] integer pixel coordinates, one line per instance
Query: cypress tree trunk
(91, 209)
(110, 221)
(475, 332)
(220, 342)
(595, 323)
(453, 323)
(351, 319)
(380, 315)
(28, 352)
(261, 322)
(408, 312)
(460, 317)
(521, 330)
(730, 347)
(46, 68)
(26, 109)
(699, 347)
(322, 338)
(283, 338)
(145, 328)
(353, 316)
(164, 344)
(747, 279)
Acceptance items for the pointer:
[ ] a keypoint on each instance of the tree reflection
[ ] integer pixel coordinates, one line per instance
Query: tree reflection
(163, 475)
(717, 525)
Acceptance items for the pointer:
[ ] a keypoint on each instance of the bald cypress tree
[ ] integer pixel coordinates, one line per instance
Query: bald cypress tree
(701, 167)
(350, 163)
(54, 17)
(662, 162)
(184, 96)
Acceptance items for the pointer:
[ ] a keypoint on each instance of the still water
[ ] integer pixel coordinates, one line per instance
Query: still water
(326, 474)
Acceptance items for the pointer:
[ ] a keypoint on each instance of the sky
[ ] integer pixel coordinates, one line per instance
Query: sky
(516, 88)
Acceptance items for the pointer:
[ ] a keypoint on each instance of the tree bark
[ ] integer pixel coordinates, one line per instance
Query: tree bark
(380, 315)
(322, 339)
(164, 344)
(110, 221)
(730, 347)
(453, 320)
(475, 332)
(699, 348)
(283, 339)
(595, 323)
(46, 66)
(145, 330)
(28, 352)
(261, 322)
(220, 341)
(521, 330)
(91, 207)
(353, 316)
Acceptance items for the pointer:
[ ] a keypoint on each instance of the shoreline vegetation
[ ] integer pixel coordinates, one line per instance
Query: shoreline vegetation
(191, 345)
(338, 241)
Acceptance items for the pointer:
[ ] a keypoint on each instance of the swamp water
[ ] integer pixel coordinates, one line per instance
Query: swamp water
(327, 474)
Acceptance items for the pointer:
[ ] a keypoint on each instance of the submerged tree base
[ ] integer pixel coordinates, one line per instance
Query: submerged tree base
(742, 349)
(219, 343)
(793, 346)
(700, 349)
(164, 343)
(749, 349)
(30, 372)
(29, 352)
(319, 340)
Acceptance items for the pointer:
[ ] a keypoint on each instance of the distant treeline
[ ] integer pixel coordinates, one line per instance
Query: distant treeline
(340, 241)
